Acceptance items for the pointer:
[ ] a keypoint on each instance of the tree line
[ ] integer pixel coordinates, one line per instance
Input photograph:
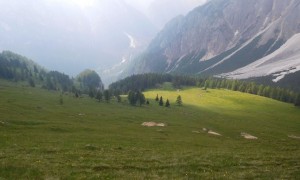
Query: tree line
(167, 104)
(151, 80)
(17, 68)
(276, 93)
(14, 67)
(142, 82)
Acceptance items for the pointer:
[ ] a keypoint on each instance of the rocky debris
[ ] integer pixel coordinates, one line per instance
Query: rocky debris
(153, 124)
(248, 136)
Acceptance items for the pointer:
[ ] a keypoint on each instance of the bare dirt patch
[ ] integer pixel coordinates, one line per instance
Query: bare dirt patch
(197, 132)
(208, 131)
(248, 136)
(153, 124)
(213, 133)
(2, 123)
(294, 137)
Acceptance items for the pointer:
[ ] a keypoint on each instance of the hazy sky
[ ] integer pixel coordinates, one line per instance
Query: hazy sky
(141, 5)
(70, 35)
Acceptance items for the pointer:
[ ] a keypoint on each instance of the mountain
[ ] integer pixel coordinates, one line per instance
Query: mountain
(227, 38)
(159, 16)
(73, 35)
(285, 60)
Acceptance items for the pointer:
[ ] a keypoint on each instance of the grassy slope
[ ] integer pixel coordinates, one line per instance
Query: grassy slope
(85, 139)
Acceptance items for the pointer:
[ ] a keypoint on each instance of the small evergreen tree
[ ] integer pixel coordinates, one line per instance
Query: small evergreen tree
(131, 98)
(31, 82)
(157, 99)
(76, 94)
(91, 93)
(136, 97)
(61, 100)
(179, 101)
(99, 96)
(167, 103)
(141, 98)
(297, 100)
(161, 101)
(147, 102)
(107, 95)
(119, 99)
(260, 90)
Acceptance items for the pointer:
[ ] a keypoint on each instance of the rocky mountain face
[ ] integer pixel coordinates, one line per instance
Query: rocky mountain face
(223, 36)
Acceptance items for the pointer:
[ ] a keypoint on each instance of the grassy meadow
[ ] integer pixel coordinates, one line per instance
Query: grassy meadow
(84, 139)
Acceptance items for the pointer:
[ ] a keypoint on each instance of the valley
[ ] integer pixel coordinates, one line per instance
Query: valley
(152, 89)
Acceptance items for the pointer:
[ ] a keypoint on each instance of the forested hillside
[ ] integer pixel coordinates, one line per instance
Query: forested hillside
(17, 68)
(148, 81)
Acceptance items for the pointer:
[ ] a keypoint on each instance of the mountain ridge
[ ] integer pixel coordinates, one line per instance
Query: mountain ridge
(221, 37)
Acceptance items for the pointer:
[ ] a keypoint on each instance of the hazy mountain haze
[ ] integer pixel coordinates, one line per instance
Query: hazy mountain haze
(71, 35)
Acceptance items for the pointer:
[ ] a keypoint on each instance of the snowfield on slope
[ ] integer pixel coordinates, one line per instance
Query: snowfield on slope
(285, 60)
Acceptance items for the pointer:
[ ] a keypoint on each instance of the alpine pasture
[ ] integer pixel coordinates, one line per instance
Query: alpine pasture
(45, 137)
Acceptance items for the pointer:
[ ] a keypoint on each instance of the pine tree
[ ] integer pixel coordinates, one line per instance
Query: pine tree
(131, 98)
(99, 96)
(167, 103)
(260, 90)
(157, 99)
(76, 94)
(179, 101)
(234, 86)
(119, 99)
(107, 95)
(91, 93)
(161, 101)
(141, 98)
(297, 100)
(31, 82)
(61, 100)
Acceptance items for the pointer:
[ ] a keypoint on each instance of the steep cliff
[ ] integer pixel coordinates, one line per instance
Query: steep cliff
(221, 36)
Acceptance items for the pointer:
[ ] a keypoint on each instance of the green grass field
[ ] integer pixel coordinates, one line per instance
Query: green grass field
(85, 139)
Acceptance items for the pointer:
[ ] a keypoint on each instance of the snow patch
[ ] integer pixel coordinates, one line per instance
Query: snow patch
(285, 60)
(124, 60)
(281, 75)
(236, 33)
(133, 42)
(266, 21)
